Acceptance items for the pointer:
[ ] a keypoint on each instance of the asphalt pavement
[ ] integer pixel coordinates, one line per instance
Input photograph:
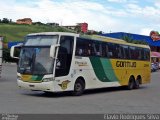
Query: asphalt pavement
(99, 101)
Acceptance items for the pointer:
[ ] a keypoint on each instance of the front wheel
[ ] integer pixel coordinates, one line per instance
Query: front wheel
(78, 88)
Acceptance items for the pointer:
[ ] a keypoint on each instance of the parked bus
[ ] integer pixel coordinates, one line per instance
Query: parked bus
(59, 61)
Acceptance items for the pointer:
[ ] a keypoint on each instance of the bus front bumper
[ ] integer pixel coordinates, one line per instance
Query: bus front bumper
(43, 86)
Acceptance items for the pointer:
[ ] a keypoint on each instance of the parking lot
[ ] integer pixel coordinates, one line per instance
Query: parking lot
(109, 100)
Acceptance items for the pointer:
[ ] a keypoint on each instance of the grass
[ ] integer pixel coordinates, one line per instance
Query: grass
(15, 32)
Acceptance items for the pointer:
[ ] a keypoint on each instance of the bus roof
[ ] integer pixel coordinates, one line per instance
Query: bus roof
(92, 37)
(54, 33)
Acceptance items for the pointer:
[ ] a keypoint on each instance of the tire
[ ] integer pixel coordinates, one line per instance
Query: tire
(131, 83)
(79, 87)
(137, 84)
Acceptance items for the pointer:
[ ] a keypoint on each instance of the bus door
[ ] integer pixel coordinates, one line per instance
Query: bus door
(64, 58)
(63, 63)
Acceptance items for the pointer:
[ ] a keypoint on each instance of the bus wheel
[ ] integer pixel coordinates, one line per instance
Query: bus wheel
(78, 87)
(131, 83)
(137, 84)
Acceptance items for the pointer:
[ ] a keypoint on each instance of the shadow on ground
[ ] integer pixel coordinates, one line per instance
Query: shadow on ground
(69, 94)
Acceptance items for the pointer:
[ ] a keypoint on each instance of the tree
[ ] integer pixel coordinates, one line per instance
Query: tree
(7, 57)
(5, 20)
(38, 23)
(5, 39)
(100, 32)
(10, 20)
(129, 39)
(78, 29)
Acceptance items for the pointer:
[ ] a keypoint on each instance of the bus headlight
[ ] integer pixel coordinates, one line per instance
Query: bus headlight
(47, 79)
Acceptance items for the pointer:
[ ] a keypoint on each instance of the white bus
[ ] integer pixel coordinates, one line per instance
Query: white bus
(59, 61)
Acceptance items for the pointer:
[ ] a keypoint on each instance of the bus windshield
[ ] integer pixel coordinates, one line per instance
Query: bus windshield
(35, 60)
(34, 56)
(41, 40)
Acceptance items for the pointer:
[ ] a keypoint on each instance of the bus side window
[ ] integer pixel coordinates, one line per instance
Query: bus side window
(142, 54)
(105, 50)
(110, 50)
(125, 52)
(97, 47)
(90, 48)
(147, 54)
(139, 50)
(79, 51)
(119, 51)
(132, 52)
(79, 47)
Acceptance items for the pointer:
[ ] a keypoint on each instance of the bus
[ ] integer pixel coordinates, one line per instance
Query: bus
(60, 61)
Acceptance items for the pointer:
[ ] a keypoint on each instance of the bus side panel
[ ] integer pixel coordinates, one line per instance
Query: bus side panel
(95, 72)
(124, 69)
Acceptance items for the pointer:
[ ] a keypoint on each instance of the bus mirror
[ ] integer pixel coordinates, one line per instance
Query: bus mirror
(52, 50)
(12, 52)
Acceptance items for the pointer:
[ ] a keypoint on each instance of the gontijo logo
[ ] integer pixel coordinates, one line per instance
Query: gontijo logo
(125, 64)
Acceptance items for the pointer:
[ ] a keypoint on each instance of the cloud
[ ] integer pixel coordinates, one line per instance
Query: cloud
(67, 13)
(146, 13)
(157, 3)
(123, 1)
(102, 16)
(145, 31)
(117, 1)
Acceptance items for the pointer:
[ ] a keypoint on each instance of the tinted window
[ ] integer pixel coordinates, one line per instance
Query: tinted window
(132, 52)
(125, 51)
(63, 61)
(84, 47)
(97, 47)
(119, 51)
(139, 53)
(147, 54)
(111, 50)
(105, 50)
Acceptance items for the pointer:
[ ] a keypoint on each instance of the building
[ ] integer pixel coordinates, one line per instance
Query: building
(10, 44)
(83, 26)
(80, 27)
(72, 27)
(24, 21)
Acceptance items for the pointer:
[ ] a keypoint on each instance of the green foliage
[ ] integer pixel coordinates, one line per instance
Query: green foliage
(5, 39)
(15, 32)
(129, 39)
(5, 20)
(6, 56)
(78, 29)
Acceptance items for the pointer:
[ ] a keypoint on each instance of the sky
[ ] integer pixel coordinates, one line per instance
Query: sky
(131, 16)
